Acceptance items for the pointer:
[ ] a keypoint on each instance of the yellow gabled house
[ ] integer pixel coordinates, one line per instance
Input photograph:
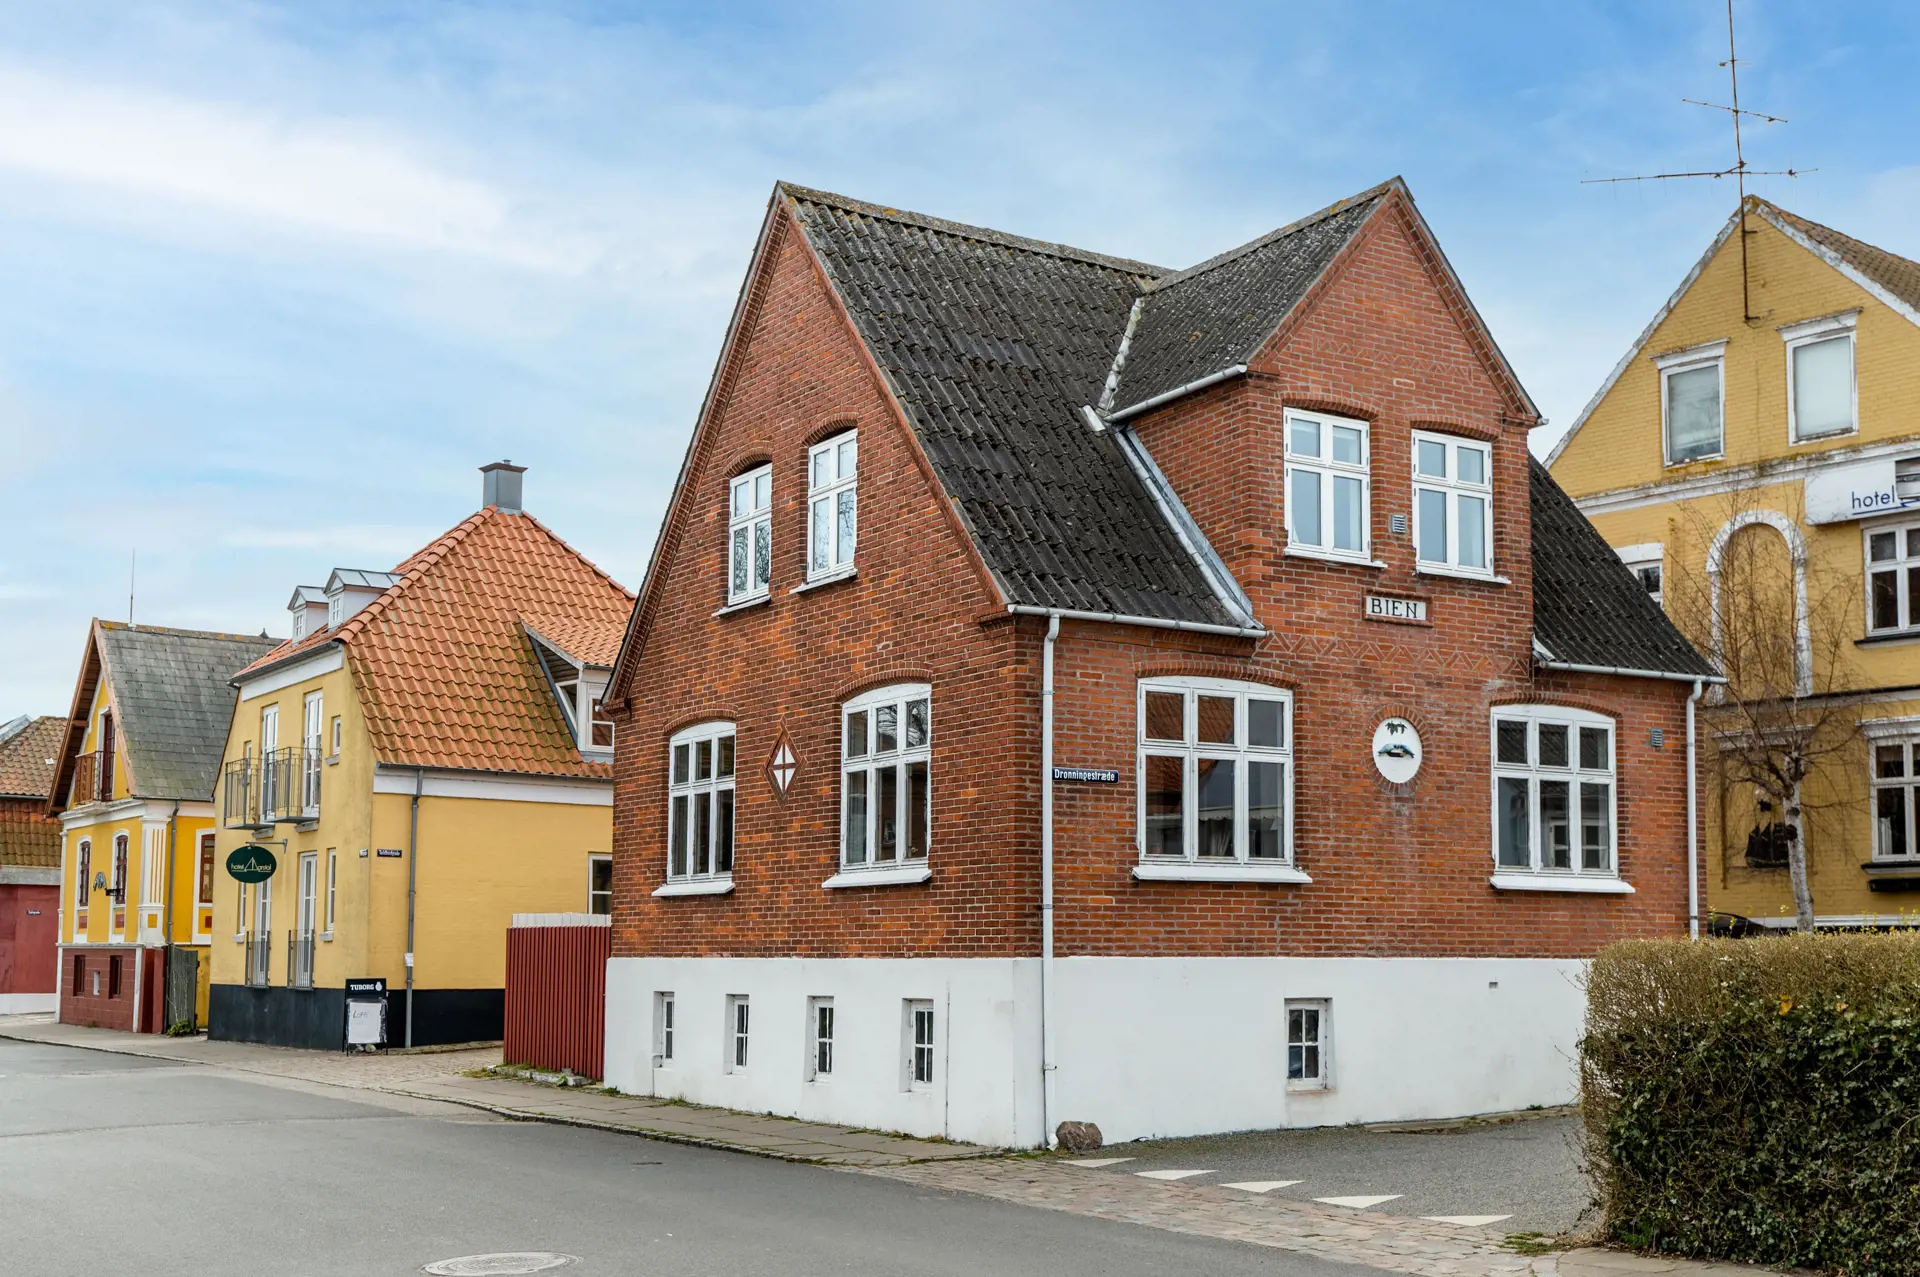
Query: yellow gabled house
(1765, 429)
(424, 758)
(134, 794)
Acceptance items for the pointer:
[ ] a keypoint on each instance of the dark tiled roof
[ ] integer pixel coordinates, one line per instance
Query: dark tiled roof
(173, 702)
(1587, 607)
(29, 756)
(1898, 275)
(992, 344)
(1219, 313)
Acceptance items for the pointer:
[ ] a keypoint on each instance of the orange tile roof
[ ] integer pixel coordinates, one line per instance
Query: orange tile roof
(28, 760)
(447, 676)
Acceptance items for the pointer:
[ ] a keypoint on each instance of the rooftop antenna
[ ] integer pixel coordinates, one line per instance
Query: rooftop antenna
(133, 566)
(1739, 170)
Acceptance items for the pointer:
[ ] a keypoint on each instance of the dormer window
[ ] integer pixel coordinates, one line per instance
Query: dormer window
(602, 725)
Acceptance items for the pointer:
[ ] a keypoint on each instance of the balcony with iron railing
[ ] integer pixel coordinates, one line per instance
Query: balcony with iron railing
(280, 785)
(92, 779)
(299, 959)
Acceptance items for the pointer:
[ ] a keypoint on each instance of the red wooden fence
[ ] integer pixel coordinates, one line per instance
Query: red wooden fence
(557, 991)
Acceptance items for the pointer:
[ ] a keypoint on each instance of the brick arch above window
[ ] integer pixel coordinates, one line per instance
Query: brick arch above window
(886, 678)
(827, 427)
(752, 459)
(709, 713)
(1560, 698)
(1335, 407)
(1214, 667)
(1449, 426)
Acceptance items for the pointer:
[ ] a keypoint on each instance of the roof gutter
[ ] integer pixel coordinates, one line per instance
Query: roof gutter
(1623, 672)
(1192, 387)
(1151, 622)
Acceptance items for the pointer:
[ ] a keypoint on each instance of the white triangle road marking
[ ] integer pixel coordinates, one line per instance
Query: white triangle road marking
(1094, 1163)
(1263, 1185)
(1357, 1203)
(1470, 1221)
(1170, 1174)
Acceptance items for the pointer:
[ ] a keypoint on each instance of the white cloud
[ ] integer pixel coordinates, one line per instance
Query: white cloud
(332, 176)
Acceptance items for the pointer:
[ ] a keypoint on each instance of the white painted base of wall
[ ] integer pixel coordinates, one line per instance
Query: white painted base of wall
(28, 1003)
(1148, 1046)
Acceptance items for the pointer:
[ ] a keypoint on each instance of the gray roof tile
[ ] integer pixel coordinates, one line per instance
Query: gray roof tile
(174, 700)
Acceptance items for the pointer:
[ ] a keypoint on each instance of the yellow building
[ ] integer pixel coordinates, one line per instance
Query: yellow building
(134, 794)
(423, 759)
(1755, 457)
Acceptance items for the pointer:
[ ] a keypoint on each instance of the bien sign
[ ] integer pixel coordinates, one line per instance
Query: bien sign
(1385, 607)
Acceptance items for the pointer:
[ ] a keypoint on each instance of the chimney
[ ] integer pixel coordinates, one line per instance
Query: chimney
(500, 485)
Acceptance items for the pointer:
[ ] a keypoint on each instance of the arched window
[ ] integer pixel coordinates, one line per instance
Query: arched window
(886, 800)
(700, 788)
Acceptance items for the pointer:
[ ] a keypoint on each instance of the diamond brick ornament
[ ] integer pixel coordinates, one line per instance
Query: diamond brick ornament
(782, 766)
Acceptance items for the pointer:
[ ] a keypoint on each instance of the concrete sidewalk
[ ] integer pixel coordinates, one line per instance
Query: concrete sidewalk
(447, 1076)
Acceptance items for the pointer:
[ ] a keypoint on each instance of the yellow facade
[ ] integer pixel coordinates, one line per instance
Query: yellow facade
(1615, 464)
(487, 844)
(162, 842)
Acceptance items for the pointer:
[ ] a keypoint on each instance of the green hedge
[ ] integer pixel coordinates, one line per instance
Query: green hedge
(1758, 1100)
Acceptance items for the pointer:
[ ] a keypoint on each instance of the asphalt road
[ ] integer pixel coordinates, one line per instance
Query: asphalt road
(1527, 1170)
(115, 1164)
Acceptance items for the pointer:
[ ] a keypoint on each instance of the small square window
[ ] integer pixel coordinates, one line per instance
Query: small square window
(739, 1022)
(918, 1032)
(819, 1038)
(663, 1027)
(1553, 745)
(1513, 742)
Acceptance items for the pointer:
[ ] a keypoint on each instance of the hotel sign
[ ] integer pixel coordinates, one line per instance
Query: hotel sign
(1386, 607)
(251, 863)
(1841, 494)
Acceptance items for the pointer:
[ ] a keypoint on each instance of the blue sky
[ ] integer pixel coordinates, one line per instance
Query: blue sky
(274, 279)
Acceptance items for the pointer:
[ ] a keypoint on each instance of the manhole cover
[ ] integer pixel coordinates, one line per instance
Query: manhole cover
(496, 1265)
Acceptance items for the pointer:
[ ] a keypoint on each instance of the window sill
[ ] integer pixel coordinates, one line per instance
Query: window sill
(696, 887)
(834, 578)
(1308, 1088)
(1568, 883)
(1828, 437)
(325, 937)
(1193, 871)
(1697, 461)
(1892, 866)
(890, 876)
(758, 600)
(1892, 638)
(1351, 560)
(1460, 574)
(333, 760)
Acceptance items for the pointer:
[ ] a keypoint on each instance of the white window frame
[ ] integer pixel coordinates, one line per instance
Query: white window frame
(1451, 489)
(1712, 354)
(919, 1044)
(749, 524)
(903, 865)
(83, 893)
(1904, 567)
(313, 713)
(1327, 470)
(333, 883)
(819, 1037)
(1317, 1013)
(594, 861)
(333, 754)
(737, 1043)
(826, 489)
(1908, 781)
(1537, 875)
(1639, 558)
(1811, 333)
(1190, 866)
(685, 789)
(663, 1027)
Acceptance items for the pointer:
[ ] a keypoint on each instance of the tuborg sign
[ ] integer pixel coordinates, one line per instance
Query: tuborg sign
(1840, 494)
(251, 863)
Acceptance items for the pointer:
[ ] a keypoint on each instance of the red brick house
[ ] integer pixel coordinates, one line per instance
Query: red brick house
(29, 865)
(1069, 689)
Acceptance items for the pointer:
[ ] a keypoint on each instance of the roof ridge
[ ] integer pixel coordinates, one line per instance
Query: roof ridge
(124, 627)
(563, 543)
(1233, 254)
(963, 230)
(1803, 220)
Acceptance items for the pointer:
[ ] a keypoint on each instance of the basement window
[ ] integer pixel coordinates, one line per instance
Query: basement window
(1307, 1045)
(738, 1039)
(820, 1026)
(917, 1032)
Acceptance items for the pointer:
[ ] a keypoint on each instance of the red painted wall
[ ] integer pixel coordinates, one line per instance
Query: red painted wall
(557, 997)
(29, 936)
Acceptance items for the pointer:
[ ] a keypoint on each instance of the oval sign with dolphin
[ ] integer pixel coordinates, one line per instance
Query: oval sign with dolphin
(1396, 751)
(251, 863)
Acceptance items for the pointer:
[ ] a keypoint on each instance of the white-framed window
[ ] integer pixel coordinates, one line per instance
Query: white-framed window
(1328, 499)
(600, 884)
(333, 882)
(1896, 784)
(312, 721)
(700, 803)
(1216, 772)
(83, 882)
(917, 1037)
(1893, 578)
(333, 753)
(819, 1038)
(832, 505)
(1647, 562)
(1453, 502)
(1822, 400)
(739, 1023)
(1553, 791)
(750, 534)
(1309, 1043)
(1692, 390)
(663, 1026)
(599, 724)
(886, 800)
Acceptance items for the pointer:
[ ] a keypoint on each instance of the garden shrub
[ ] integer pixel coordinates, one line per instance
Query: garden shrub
(1758, 1100)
